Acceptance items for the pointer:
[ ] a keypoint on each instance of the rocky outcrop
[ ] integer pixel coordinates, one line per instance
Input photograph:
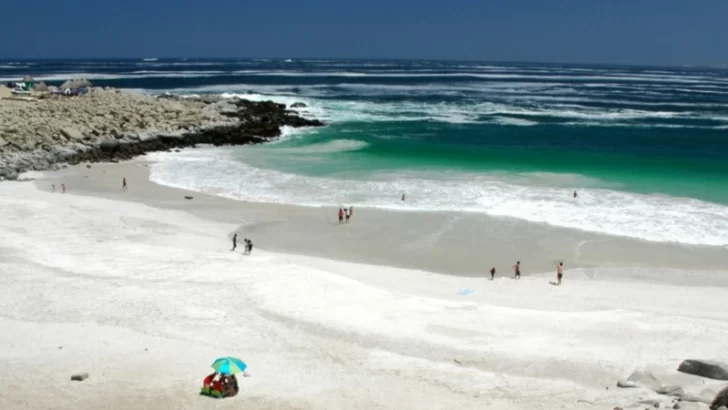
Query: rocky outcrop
(705, 368)
(109, 125)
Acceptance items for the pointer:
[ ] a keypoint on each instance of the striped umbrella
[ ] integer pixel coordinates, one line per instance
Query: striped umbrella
(229, 365)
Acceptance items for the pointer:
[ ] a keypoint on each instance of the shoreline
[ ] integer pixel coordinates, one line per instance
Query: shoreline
(444, 242)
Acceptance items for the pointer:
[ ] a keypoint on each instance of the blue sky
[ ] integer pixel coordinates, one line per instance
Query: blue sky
(670, 32)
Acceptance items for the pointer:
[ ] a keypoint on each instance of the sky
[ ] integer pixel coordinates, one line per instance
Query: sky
(649, 32)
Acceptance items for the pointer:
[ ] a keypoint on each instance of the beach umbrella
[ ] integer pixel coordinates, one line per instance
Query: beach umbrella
(229, 365)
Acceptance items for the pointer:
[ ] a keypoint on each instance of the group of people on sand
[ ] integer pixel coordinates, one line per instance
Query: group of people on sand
(517, 272)
(224, 385)
(248, 244)
(63, 188)
(345, 214)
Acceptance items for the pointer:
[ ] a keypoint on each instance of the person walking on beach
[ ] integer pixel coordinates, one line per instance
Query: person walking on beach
(54, 187)
(123, 184)
(63, 188)
(517, 269)
(341, 215)
(560, 272)
(249, 247)
(346, 214)
(492, 273)
(235, 242)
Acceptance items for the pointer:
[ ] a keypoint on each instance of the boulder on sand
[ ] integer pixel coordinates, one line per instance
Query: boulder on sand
(720, 400)
(641, 379)
(705, 368)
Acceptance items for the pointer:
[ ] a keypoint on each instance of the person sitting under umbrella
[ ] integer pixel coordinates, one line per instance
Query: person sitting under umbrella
(229, 386)
(223, 382)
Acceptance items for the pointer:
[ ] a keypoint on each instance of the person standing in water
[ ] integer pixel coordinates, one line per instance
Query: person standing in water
(235, 242)
(341, 215)
(54, 187)
(249, 247)
(560, 272)
(123, 184)
(492, 273)
(575, 194)
(517, 269)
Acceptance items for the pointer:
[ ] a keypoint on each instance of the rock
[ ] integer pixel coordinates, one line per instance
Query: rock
(645, 380)
(110, 146)
(72, 133)
(705, 368)
(626, 384)
(721, 399)
(79, 377)
(298, 105)
(650, 402)
(670, 390)
(3, 142)
(88, 165)
(188, 197)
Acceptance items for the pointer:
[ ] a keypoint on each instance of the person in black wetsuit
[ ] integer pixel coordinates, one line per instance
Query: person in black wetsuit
(517, 269)
(492, 273)
(235, 242)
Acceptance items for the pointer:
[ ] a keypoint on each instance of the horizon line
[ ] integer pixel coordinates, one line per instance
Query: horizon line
(299, 59)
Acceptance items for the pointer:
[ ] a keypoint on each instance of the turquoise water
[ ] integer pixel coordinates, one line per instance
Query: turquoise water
(645, 147)
(672, 162)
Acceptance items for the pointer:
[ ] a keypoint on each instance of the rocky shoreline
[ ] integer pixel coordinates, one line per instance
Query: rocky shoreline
(110, 125)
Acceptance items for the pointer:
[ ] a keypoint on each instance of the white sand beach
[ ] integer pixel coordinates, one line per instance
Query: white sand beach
(140, 290)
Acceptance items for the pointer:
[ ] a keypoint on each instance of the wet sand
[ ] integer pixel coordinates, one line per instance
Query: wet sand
(464, 244)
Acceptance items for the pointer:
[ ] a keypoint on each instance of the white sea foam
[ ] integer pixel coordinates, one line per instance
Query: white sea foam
(494, 76)
(602, 210)
(498, 109)
(103, 76)
(514, 121)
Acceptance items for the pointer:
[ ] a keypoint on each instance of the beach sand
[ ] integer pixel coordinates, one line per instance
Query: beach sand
(140, 290)
(464, 244)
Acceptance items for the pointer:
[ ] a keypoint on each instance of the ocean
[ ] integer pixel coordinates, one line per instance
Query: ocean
(645, 147)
